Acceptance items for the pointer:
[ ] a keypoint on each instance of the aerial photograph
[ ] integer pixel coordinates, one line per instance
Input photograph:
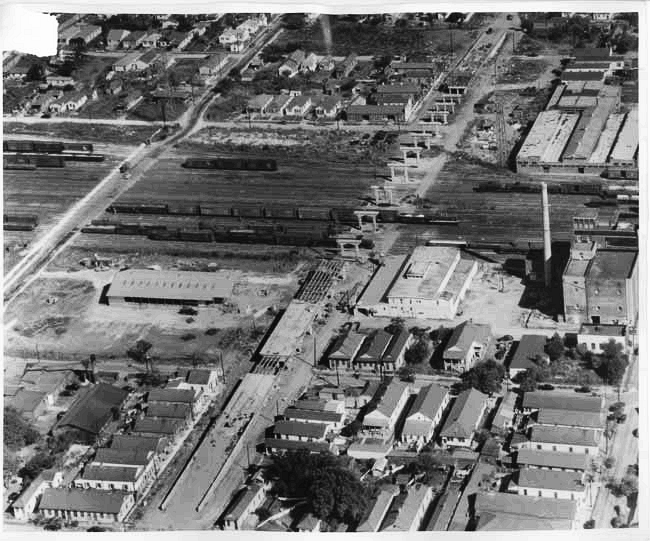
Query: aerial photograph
(300, 272)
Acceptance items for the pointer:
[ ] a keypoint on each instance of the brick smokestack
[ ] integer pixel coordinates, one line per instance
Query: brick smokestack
(547, 236)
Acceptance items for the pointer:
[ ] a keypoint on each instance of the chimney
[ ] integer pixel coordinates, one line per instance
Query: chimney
(547, 236)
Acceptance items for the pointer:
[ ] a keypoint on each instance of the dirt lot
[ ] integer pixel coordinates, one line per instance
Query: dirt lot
(119, 134)
(74, 324)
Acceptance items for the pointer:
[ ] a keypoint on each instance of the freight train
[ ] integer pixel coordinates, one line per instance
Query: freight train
(340, 215)
(232, 164)
(32, 161)
(46, 147)
(571, 188)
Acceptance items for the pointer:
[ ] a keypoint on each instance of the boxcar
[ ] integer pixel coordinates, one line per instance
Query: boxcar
(184, 210)
(197, 236)
(215, 210)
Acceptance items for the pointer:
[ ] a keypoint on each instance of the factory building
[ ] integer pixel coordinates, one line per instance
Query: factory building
(142, 286)
(583, 131)
(429, 284)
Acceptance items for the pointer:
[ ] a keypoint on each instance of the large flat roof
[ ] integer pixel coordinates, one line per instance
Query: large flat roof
(612, 264)
(627, 142)
(549, 135)
(176, 285)
(382, 280)
(287, 335)
(607, 138)
(430, 268)
(594, 128)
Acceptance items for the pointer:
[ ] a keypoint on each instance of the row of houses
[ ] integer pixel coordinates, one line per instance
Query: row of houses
(126, 464)
(294, 105)
(300, 61)
(236, 39)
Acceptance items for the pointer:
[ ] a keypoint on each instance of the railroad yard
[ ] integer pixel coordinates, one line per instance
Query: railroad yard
(236, 283)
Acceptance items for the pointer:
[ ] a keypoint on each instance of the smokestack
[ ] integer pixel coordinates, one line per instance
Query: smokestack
(547, 236)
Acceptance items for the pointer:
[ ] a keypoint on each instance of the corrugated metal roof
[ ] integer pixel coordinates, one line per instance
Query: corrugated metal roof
(627, 142)
(177, 285)
(295, 428)
(552, 459)
(92, 410)
(565, 435)
(607, 138)
(559, 400)
(550, 479)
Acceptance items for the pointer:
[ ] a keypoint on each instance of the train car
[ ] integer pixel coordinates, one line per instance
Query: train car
(344, 215)
(164, 234)
(48, 147)
(184, 210)
(84, 157)
(245, 211)
(280, 213)
(232, 164)
(99, 229)
(20, 218)
(215, 210)
(17, 146)
(196, 236)
(48, 160)
(138, 208)
(123, 229)
(310, 213)
(18, 227)
(78, 147)
(18, 166)
(440, 242)
(388, 216)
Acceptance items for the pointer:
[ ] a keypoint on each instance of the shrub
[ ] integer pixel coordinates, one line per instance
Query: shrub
(188, 336)
(211, 331)
(188, 311)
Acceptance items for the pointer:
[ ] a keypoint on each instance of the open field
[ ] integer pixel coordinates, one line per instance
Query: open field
(102, 133)
(60, 316)
(491, 217)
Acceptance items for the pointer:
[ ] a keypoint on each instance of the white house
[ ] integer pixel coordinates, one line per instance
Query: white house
(550, 484)
(126, 478)
(75, 101)
(135, 61)
(381, 421)
(151, 40)
(464, 419)
(299, 106)
(213, 65)
(329, 107)
(331, 419)
(567, 440)
(413, 510)
(86, 505)
(59, 81)
(425, 415)
(25, 505)
(115, 37)
(594, 337)
(242, 506)
(467, 346)
(300, 431)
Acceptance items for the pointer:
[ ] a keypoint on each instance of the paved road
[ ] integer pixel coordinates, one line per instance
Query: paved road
(74, 120)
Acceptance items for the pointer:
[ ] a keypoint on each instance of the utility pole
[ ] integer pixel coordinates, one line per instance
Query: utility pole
(223, 372)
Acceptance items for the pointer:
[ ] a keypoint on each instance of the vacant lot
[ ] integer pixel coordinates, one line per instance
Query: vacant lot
(374, 38)
(60, 314)
(102, 133)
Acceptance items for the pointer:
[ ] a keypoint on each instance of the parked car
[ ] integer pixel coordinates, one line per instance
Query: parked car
(506, 338)
(583, 389)
(546, 387)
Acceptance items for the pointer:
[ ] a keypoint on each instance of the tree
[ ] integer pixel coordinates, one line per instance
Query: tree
(529, 378)
(140, 353)
(485, 376)
(426, 465)
(38, 463)
(18, 433)
(35, 73)
(406, 373)
(419, 352)
(397, 324)
(555, 347)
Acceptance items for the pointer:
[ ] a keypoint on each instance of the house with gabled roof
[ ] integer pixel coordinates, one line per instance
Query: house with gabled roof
(466, 346)
(552, 460)
(86, 505)
(584, 441)
(291, 66)
(382, 420)
(372, 351)
(115, 37)
(242, 507)
(329, 106)
(378, 511)
(425, 415)
(345, 350)
(300, 431)
(25, 506)
(545, 483)
(464, 419)
(559, 400)
(529, 351)
(134, 39)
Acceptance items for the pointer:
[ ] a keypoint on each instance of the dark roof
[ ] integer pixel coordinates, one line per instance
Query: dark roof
(464, 414)
(392, 396)
(296, 414)
(528, 348)
(347, 345)
(92, 410)
(241, 501)
(397, 345)
(428, 400)
(169, 410)
(612, 264)
(552, 459)
(124, 457)
(291, 445)
(156, 426)
(198, 377)
(560, 401)
(185, 396)
(374, 347)
(312, 405)
(463, 337)
(602, 330)
(526, 506)
(583, 75)
(26, 401)
(128, 442)
(294, 428)
(118, 474)
(550, 479)
(87, 500)
(565, 435)
(397, 89)
(592, 53)
(560, 417)
(375, 109)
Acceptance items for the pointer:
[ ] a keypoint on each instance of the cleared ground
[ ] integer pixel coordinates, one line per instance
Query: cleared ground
(103, 133)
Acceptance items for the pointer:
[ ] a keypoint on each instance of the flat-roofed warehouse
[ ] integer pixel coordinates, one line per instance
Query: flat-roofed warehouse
(140, 286)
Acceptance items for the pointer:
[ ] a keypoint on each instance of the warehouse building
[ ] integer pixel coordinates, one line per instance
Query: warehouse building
(139, 286)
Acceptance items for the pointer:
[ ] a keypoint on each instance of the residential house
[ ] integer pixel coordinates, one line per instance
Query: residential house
(310, 63)
(345, 350)
(259, 103)
(502, 511)
(549, 484)
(148, 427)
(79, 34)
(57, 106)
(393, 359)
(584, 441)
(329, 107)
(59, 81)
(505, 416)
(378, 511)
(30, 404)
(346, 67)
(242, 507)
(134, 39)
(467, 346)
(595, 337)
(552, 460)
(213, 65)
(93, 409)
(151, 40)
(382, 420)
(174, 396)
(464, 419)
(568, 418)
(115, 37)
(413, 510)
(86, 505)
(291, 66)
(237, 47)
(159, 410)
(332, 419)
(50, 383)
(281, 446)
(115, 86)
(372, 352)
(180, 40)
(75, 101)
(528, 353)
(24, 507)
(228, 37)
(201, 28)
(135, 61)
(425, 415)
(278, 105)
(299, 431)
(327, 63)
